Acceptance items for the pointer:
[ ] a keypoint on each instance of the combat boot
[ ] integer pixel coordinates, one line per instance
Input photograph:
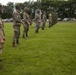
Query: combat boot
(23, 36)
(17, 42)
(42, 28)
(36, 31)
(14, 44)
(26, 35)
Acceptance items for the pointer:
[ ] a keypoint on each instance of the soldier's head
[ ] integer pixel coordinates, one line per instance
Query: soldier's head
(17, 6)
(26, 9)
(38, 11)
(0, 9)
(44, 12)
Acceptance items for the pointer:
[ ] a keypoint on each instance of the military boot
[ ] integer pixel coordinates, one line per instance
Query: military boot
(23, 36)
(17, 42)
(14, 44)
(26, 34)
(36, 31)
(42, 28)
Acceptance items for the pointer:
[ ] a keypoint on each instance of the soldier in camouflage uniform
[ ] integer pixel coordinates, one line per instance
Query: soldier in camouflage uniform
(43, 20)
(37, 20)
(16, 24)
(50, 19)
(2, 39)
(26, 22)
(55, 17)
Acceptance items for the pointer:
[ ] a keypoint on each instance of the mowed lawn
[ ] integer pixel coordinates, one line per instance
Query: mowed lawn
(50, 52)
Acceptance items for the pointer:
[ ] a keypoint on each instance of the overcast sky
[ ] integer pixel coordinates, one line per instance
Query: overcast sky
(4, 2)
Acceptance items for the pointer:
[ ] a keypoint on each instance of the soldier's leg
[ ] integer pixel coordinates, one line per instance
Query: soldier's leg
(43, 26)
(1, 47)
(36, 31)
(0, 52)
(49, 24)
(18, 34)
(38, 26)
(3, 31)
(24, 33)
(14, 38)
(27, 31)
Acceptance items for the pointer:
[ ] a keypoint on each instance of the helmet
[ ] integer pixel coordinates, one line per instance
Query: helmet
(26, 9)
(17, 6)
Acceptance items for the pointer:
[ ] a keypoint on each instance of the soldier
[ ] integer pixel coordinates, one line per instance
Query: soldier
(26, 22)
(2, 39)
(43, 20)
(16, 24)
(54, 18)
(37, 20)
(50, 19)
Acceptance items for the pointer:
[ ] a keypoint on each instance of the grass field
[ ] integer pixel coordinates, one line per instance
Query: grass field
(50, 52)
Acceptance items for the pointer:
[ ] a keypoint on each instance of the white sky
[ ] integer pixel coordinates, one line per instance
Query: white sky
(4, 2)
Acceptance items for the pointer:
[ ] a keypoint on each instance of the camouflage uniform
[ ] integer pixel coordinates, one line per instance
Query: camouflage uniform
(54, 18)
(16, 25)
(26, 22)
(2, 39)
(50, 20)
(37, 20)
(43, 20)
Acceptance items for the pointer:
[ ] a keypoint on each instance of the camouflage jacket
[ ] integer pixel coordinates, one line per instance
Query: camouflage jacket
(50, 17)
(1, 32)
(44, 18)
(16, 18)
(37, 18)
(26, 18)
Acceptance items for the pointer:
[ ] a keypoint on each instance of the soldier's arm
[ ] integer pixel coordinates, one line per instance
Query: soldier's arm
(25, 17)
(29, 19)
(36, 17)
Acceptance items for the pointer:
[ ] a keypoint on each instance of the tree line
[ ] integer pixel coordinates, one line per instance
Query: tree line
(62, 7)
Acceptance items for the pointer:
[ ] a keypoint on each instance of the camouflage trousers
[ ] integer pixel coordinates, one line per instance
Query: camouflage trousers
(16, 34)
(43, 25)
(2, 39)
(26, 29)
(37, 26)
(50, 23)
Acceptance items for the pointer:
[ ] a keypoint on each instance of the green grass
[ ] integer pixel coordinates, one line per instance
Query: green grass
(50, 52)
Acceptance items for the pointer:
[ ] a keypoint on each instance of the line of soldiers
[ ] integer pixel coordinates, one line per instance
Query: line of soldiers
(40, 22)
(17, 23)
